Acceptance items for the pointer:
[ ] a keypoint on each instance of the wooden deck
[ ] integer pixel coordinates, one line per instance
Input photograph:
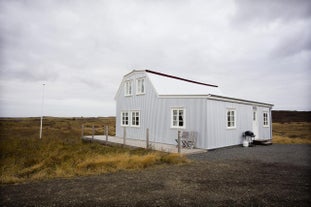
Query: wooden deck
(262, 141)
(142, 144)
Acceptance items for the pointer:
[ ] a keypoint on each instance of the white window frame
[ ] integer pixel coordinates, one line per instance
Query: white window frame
(123, 123)
(231, 123)
(254, 115)
(128, 88)
(177, 124)
(265, 117)
(140, 86)
(135, 115)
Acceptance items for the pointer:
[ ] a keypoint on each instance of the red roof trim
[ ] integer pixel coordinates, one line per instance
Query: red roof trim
(178, 78)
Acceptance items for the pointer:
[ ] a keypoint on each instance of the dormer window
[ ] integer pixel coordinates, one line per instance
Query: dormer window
(140, 86)
(128, 88)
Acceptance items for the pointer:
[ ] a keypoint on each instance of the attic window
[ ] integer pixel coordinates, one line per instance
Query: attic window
(140, 86)
(128, 88)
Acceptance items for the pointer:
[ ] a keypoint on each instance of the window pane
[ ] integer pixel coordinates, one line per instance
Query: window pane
(181, 123)
(142, 86)
(177, 118)
(175, 112)
(265, 119)
(128, 88)
(135, 118)
(181, 118)
(138, 86)
(174, 123)
(124, 118)
(230, 118)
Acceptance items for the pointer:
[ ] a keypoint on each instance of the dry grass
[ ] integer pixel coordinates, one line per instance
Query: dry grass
(292, 133)
(287, 140)
(61, 153)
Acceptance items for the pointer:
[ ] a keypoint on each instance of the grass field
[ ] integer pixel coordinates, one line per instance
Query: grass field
(292, 133)
(61, 152)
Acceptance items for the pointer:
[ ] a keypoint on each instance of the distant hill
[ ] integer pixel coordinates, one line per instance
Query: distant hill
(291, 116)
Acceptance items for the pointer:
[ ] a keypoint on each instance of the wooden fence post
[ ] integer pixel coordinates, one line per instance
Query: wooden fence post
(124, 136)
(93, 131)
(82, 131)
(147, 138)
(106, 130)
(179, 141)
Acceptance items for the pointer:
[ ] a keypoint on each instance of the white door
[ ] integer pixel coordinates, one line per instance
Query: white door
(255, 124)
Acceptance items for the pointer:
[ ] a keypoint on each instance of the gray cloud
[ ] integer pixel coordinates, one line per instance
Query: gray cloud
(81, 50)
(294, 43)
(262, 11)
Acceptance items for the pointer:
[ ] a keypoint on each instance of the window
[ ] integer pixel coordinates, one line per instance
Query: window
(135, 118)
(130, 118)
(178, 118)
(231, 118)
(265, 119)
(254, 115)
(140, 86)
(124, 119)
(128, 88)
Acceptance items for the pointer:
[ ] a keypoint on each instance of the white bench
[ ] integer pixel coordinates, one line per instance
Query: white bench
(188, 139)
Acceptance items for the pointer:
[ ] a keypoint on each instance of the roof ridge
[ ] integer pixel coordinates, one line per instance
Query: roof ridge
(179, 78)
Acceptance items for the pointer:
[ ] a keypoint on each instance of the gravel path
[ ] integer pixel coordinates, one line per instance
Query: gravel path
(277, 175)
(294, 154)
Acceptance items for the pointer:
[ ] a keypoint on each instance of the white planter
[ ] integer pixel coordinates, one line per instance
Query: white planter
(245, 143)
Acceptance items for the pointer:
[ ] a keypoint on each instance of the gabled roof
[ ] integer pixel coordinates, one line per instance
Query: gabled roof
(165, 84)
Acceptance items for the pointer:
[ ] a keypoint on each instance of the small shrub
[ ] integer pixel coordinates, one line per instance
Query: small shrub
(173, 159)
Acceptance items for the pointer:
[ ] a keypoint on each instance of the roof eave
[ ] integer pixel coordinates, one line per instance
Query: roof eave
(134, 71)
(183, 95)
(217, 98)
(237, 100)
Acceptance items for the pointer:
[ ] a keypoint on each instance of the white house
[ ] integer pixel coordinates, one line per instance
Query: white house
(165, 104)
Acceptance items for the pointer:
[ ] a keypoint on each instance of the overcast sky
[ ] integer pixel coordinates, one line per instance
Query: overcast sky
(256, 50)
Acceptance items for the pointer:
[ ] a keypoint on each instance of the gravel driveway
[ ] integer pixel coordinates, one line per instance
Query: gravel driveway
(277, 175)
(293, 154)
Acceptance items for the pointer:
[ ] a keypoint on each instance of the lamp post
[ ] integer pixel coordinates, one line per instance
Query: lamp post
(42, 110)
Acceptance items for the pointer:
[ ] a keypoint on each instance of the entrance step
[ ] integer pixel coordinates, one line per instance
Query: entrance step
(262, 141)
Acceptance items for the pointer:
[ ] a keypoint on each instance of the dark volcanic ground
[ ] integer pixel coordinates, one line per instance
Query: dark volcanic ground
(277, 175)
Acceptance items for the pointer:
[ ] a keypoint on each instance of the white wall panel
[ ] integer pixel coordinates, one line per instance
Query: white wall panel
(207, 117)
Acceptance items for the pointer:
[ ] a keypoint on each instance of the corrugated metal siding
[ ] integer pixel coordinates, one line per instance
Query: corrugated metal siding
(218, 135)
(144, 103)
(156, 114)
(195, 118)
(207, 117)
